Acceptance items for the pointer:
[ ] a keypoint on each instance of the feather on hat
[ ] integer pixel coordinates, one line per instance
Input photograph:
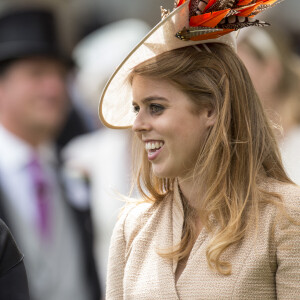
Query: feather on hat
(191, 22)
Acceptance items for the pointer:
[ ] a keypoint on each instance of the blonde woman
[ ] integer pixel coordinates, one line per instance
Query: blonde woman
(219, 217)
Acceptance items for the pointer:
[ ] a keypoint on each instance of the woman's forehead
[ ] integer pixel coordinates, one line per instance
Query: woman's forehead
(144, 88)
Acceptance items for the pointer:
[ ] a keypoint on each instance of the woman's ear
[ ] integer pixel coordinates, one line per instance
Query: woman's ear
(210, 115)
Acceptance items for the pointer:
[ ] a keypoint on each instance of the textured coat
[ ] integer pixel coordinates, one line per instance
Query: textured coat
(264, 266)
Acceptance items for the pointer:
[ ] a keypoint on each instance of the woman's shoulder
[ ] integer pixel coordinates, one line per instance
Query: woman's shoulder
(285, 210)
(136, 209)
(289, 193)
(134, 215)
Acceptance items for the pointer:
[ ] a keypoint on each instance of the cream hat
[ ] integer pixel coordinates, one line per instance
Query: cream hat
(211, 22)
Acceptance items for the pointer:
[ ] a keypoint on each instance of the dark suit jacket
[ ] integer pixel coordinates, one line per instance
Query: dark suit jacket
(13, 279)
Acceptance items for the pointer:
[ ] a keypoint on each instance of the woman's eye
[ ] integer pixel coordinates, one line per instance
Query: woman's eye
(156, 108)
(135, 109)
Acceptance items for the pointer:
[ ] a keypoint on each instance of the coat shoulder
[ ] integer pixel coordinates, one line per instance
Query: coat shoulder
(134, 216)
(289, 193)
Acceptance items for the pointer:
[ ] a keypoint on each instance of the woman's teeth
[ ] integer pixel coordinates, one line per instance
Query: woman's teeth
(153, 145)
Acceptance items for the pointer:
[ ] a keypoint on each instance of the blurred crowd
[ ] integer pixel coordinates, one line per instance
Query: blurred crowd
(63, 176)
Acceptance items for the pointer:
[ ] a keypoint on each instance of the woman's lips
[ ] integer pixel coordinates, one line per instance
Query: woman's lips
(152, 154)
(153, 148)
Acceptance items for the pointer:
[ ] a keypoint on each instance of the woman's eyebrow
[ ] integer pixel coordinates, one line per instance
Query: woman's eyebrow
(151, 98)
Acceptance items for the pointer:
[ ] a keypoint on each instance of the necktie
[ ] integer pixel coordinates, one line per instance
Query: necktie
(41, 188)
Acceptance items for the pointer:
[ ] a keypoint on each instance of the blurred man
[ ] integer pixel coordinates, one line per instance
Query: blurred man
(54, 235)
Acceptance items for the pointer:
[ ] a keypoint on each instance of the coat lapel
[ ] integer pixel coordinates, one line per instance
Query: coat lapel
(177, 220)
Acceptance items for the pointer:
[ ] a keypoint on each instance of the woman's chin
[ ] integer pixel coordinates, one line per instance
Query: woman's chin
(159, 173)
(163, 173)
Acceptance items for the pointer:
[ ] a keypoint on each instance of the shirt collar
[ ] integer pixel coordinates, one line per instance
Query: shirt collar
(15, 153)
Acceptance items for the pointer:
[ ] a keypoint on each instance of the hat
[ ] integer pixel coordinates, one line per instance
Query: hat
(191, 22)
(28, 32)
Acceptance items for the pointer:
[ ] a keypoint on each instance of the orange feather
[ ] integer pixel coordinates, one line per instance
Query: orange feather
(209, 4)
(247, 11)
(244, 2)
(269, 2)
(209, 19)
(180, 2)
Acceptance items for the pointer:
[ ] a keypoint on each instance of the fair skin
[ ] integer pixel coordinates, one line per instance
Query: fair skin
(168, 121)
(33, 99)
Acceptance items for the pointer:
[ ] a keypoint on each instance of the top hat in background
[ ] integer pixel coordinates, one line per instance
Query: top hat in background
(29, 32)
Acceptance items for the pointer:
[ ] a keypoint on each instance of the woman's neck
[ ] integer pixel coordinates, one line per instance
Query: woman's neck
(190, 192)
(192, 198)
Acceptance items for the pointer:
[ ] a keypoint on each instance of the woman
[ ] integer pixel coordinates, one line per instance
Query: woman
(220, 217)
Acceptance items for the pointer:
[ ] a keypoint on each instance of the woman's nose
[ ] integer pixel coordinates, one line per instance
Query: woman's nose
(141, 123)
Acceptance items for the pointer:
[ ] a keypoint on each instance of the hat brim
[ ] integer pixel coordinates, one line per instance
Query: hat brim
(115, 107)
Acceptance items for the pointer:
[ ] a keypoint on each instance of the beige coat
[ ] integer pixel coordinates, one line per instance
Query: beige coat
(263, 267)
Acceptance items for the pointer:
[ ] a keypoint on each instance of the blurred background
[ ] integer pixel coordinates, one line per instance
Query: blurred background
(76, 18)
(97, 35)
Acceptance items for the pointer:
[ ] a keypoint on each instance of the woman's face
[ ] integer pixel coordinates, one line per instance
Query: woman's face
(168, 123)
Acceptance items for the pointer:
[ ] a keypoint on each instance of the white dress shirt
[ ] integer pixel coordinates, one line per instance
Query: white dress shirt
(55, 267)
(15, 156)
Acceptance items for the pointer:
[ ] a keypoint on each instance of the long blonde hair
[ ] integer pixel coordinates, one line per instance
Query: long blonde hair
(240, 148)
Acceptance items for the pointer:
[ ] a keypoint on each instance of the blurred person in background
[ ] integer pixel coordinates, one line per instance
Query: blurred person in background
(104, 156)
(275, 71)
(54, 234)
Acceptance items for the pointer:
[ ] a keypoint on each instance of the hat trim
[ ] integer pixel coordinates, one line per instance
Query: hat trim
(151, 32)
(125, 60)
(110, 93)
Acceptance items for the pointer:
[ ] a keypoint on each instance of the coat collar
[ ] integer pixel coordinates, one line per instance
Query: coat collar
(177, 219)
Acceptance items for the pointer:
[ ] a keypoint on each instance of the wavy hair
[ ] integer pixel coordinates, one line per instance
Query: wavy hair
(240, 148)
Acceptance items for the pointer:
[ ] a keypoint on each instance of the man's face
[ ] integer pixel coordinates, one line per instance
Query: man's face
(33, 97)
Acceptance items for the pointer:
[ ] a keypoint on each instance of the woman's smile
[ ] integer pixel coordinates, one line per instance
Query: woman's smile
(153, 148)
(172, 128)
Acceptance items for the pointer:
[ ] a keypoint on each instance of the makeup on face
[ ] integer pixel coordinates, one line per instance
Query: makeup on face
(171, 132)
